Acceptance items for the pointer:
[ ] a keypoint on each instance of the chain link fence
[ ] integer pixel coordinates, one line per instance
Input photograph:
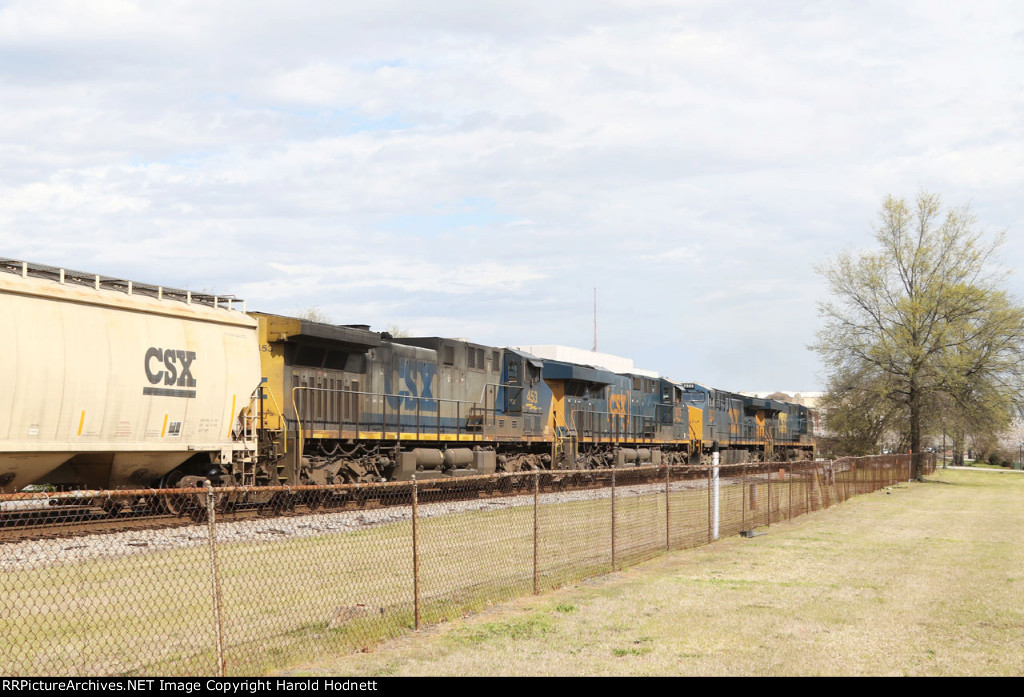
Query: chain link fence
(239, 581)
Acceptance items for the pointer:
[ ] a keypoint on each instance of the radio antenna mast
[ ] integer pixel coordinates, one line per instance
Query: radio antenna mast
(595, 319)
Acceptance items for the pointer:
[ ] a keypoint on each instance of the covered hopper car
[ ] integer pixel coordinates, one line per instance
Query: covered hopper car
(106, 383)
(114, 384)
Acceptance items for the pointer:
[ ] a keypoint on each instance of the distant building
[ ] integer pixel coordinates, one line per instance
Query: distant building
(808, 399)
(568, 354)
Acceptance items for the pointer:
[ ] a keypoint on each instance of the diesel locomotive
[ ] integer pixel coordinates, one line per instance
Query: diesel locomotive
(115, 384)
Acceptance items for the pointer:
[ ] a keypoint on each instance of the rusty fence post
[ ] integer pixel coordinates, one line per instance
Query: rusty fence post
(807, 487)
(790, 493)
(743, 498)
(805, 481)
(415, 554)
(769, 524)
(536, 496)
(819, 488)
(668, 520)
(812, 474)
(613, 518)
(211, 520)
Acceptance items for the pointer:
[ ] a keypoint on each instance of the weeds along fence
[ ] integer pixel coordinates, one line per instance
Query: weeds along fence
(228, 591)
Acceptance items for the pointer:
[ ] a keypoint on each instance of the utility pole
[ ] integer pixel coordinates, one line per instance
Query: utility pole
(595, 320)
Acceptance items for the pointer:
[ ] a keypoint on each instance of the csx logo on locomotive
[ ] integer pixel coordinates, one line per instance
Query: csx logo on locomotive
(169, 367)
(412, 397)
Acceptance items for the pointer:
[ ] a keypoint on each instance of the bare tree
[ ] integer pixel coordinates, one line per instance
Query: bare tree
(857, 414)
(314, 314)
(398, 331)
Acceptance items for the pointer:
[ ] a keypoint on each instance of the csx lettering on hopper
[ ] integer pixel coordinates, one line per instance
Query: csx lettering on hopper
(176, 364)
(230, 397)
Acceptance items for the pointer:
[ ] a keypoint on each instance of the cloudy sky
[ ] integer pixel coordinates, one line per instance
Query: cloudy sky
(475, 169)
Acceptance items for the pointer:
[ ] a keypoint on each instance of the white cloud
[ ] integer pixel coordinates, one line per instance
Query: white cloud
(476, 169)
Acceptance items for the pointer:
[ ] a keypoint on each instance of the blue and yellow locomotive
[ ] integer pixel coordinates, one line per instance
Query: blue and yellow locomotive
(345, 404)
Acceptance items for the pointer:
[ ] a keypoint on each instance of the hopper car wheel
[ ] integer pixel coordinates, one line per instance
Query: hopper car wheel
(112, 507)
(180, 505)
(278, 504)
(316, 500)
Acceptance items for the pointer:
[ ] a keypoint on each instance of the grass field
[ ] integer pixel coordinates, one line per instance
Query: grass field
(922, 579)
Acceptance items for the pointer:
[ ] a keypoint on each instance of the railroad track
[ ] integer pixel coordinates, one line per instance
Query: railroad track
(75, 514)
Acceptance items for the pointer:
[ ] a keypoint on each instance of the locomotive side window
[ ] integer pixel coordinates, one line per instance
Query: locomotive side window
(449, 355)
(475, 358)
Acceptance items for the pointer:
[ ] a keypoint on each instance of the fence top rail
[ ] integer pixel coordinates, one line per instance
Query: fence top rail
(703, 470)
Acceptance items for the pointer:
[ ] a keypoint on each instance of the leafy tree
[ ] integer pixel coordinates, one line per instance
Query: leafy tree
(924, 316)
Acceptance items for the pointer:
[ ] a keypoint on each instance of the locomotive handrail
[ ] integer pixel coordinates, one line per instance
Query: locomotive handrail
(482, 399)
(644, 420)
(280, 412)
(384, 395)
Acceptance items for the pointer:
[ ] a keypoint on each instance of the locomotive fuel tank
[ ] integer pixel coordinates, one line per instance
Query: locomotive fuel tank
(111, 384)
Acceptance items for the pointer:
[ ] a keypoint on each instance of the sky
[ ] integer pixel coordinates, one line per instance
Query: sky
(476, 169)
